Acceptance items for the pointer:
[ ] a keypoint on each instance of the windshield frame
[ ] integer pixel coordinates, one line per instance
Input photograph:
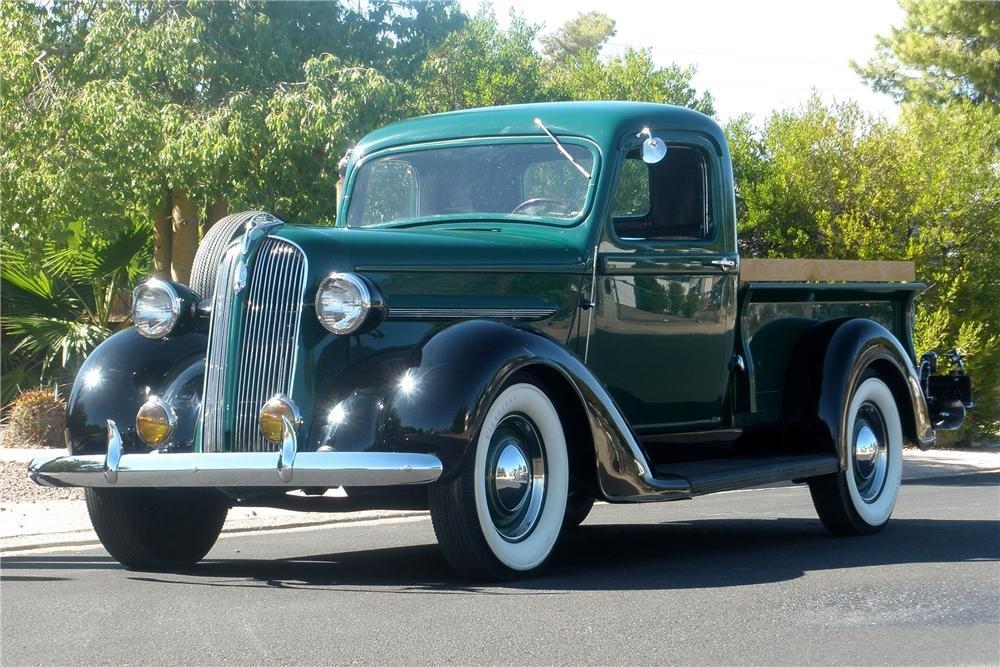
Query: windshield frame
(575, 140)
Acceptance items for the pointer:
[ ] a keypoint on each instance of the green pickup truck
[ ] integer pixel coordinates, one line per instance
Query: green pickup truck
(520, 311)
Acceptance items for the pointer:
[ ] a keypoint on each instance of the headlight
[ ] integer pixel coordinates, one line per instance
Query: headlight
(348, 303)
(155, 308)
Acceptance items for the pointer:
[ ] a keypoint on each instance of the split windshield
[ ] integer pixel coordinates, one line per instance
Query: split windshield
(483, 181)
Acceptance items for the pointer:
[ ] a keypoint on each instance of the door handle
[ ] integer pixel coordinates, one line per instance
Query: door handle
(725, 264)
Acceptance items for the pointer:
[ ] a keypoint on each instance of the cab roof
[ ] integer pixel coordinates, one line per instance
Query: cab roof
(604, 123)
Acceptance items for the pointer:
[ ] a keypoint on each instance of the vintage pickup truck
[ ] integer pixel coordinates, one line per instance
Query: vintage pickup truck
(519, 311)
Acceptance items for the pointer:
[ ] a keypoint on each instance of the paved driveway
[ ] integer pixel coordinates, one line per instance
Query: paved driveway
(746, 577)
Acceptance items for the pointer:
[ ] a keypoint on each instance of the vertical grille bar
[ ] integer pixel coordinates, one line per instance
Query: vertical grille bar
(265, 348)
(215, 366)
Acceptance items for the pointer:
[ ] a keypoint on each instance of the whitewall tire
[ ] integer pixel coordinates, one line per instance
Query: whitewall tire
(502, 515)
(861, 498)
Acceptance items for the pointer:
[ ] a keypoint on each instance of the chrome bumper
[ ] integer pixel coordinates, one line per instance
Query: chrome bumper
(287, 468)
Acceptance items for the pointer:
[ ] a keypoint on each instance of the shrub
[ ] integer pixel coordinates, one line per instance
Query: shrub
(36, 418)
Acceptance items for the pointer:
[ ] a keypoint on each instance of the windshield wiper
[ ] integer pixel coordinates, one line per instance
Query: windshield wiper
(586, 174)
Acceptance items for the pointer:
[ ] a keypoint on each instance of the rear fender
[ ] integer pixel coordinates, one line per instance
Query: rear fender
(826, 366)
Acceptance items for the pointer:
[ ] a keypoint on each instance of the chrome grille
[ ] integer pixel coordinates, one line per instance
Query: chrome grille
(266, 345)
(213, 396)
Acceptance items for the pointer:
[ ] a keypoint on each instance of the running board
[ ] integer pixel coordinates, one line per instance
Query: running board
(744, 472)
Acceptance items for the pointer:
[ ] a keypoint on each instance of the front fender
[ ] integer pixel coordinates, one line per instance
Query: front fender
(836, 353)
(115, 379)
(454, 376)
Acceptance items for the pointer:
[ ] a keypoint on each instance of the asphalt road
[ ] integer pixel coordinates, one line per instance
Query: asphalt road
(744, 577)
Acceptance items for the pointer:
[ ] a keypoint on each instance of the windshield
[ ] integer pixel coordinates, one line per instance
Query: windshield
(526, 180)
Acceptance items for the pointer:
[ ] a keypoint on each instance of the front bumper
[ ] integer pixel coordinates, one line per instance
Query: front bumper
(288, 468)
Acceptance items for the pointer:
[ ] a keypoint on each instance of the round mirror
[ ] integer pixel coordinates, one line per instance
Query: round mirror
(653, 150)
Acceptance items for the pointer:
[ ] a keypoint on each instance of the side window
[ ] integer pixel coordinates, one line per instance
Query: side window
(632, 195)
(663, 201)
(391, 188)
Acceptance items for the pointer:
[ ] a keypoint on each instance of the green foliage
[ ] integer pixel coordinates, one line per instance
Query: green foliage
(817, 180)
(106, 105)
(632, 76)
(482, 65)
(485, 65)
(586, 32)
(632, 196)
(946, 50)
(56, 311)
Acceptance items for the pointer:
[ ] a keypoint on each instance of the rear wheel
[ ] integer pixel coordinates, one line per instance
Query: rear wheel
(157, 529)
(860, 499)
(502, 514)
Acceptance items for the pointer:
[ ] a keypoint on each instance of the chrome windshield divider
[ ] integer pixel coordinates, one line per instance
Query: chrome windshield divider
(114, 456)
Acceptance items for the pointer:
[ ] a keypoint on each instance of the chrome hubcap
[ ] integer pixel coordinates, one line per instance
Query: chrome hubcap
(511, 476)
(515, 477)
(870, 452)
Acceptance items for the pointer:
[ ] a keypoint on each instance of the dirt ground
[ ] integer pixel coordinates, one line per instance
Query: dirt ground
(15, 486)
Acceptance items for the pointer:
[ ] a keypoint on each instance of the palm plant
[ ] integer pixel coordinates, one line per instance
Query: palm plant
(56, 310)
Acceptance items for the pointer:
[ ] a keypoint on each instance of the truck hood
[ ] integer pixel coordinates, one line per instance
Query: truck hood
(516, 249)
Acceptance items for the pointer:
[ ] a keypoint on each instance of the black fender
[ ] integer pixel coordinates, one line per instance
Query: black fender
(116, 378)
(825, 368)
(455, 374)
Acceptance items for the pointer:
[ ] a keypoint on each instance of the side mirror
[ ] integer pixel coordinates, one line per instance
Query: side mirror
(653, 148)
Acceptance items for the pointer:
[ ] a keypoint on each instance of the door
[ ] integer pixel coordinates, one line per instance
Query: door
(665, 297)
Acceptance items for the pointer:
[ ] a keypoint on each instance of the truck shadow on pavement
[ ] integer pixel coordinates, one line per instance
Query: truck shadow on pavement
(964, 479)
(672, 555)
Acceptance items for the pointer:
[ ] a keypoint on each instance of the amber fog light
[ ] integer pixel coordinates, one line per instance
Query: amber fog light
(271, 417)
(155, 422)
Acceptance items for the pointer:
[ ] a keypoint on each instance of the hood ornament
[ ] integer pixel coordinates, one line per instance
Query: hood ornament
(256, 228)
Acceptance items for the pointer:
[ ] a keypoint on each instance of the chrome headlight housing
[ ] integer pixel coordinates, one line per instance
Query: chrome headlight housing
(347, 303)
(156, 307)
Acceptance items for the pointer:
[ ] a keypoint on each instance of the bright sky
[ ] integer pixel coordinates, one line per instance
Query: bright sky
(754, 56)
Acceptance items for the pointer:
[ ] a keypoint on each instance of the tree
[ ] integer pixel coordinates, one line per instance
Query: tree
(954, 155)
(485, 65)
(586, 32)
(817, 180)
(116, 113)
(633, 76)
(750, 167)
(482, 65)
(946, 50)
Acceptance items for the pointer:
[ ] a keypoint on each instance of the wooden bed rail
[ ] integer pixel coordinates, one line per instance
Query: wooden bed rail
(825, 271)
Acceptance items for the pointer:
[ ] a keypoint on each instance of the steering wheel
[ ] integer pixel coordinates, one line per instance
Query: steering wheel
(557, 204)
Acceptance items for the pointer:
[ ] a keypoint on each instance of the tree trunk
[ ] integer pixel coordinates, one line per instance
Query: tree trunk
(164, 233)
(185, 236)
(217, 210)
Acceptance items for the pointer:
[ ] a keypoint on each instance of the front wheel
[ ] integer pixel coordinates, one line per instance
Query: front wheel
(157, 529)
(502, 514)
(860, 499)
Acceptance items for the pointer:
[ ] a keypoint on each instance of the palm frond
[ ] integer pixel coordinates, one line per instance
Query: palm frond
(54, 312)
